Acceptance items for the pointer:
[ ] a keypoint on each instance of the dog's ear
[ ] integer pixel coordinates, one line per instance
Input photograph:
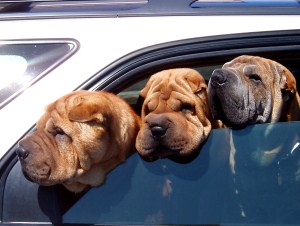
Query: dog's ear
(86, 111)
(143, 93)
(287, 82)
(145, 90)
(196, 82)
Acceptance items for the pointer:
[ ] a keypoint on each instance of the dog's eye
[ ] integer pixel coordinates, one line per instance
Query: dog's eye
(56, 131)
(59, 131)
(254, 77)
(201, 92)
(188, 108)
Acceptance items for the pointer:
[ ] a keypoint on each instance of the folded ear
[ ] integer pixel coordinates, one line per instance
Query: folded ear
(145, 90)
(86, 111)
(142, 96)
(287, 82)
(196, 82)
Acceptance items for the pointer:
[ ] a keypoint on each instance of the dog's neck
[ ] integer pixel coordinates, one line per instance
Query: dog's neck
(95, 176)
(217, 124)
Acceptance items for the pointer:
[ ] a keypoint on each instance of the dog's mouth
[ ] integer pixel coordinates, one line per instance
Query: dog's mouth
(40, 176)
(159, 152)
(217, 110)
(219, 113)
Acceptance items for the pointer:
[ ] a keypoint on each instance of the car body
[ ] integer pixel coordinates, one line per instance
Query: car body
(116, 46)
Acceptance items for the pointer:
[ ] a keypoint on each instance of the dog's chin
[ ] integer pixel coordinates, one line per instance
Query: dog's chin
(27, 177)
(43, 182)
(236, 123)
(176, 155)
(230, 116)
(41, 179)
(156, 153)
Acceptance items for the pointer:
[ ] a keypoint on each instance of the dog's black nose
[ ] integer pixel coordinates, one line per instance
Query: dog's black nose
(218, 78)
(22, 152)
(158, 131)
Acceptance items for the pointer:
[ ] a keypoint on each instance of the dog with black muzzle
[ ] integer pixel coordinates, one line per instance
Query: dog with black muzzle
(176, 118)
(252, 89)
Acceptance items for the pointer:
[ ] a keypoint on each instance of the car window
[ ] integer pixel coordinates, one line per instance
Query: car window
(249, 3)
(39, 6)
(242, 176)
(228, 183)
(25, 62)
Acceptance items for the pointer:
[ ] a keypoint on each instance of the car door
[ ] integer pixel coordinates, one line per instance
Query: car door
(202, 191)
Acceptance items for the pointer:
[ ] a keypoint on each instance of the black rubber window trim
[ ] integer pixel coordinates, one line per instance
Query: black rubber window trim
(144, 62)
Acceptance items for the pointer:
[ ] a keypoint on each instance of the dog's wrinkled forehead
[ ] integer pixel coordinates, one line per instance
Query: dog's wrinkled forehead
(249, 64)
(59, 109)
(253, 65)
(168, 81)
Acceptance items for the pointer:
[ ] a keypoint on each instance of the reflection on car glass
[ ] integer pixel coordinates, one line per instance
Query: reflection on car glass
(25, 62)
(12, 68)
(93, 5)
(247, 3)
(286, 164)
(234, 180)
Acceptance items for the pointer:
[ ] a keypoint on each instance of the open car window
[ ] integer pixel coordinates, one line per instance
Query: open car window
(245, 176)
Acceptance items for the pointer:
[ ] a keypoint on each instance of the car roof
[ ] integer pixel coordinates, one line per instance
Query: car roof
(16, 9)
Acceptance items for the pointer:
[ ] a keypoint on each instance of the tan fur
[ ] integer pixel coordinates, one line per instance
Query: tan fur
(99, 131)
(175, 100)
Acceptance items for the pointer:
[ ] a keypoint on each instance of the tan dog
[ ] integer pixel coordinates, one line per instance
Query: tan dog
(175, 114)
(252, 89)
(79, 139)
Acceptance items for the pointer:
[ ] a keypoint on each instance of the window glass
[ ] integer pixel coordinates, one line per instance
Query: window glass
(236, 179)
(12, 68)
(23, 63)
(260, 3)
(34, 6)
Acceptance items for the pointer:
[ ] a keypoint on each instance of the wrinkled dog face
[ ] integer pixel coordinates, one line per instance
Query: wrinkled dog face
(174, 114)
(250, 90)
(70, 139)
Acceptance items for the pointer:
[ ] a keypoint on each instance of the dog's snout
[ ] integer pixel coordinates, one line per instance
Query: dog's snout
(158, 124)
(218, 78)
(158, 131)
(22, 152)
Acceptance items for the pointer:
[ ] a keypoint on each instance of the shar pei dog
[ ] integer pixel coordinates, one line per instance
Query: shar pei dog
(176, 118)
(252, 89)
(79, 139)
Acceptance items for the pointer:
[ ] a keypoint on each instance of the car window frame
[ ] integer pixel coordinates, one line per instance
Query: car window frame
(34, 79)
(120, 73)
